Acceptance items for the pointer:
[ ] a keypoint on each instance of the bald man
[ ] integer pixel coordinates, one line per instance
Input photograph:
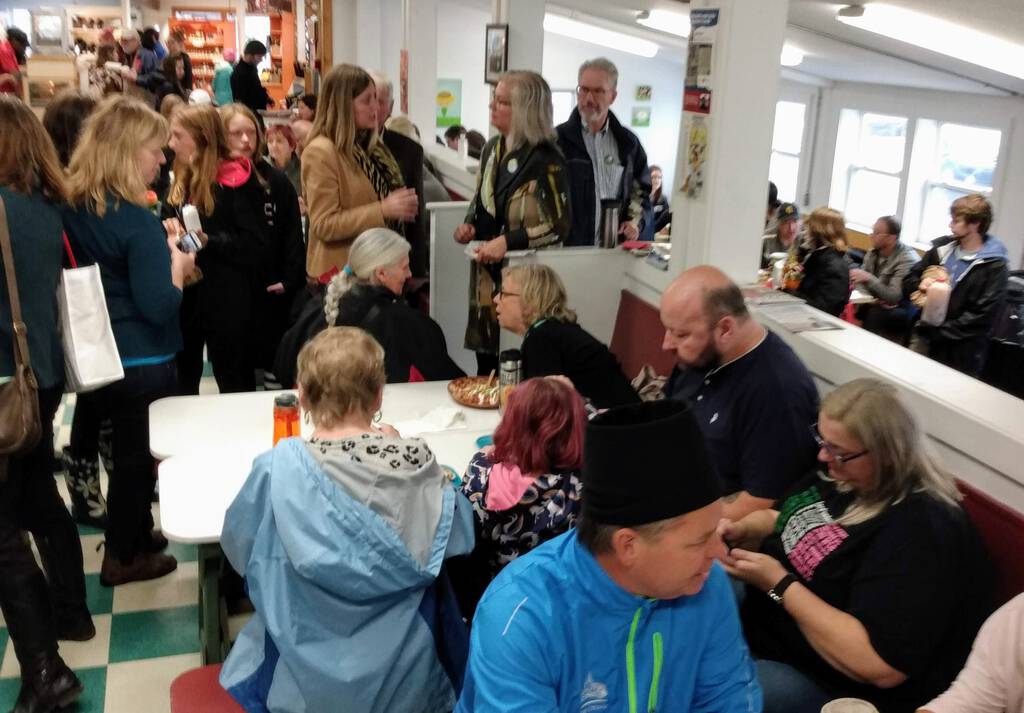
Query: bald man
(409, 156)
(754, 399)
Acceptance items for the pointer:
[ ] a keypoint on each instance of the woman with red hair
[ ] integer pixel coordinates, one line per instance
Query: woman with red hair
(525, 489)
(281, 145)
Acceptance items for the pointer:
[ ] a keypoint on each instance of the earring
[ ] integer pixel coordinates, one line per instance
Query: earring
(306, 417)
(377, 417)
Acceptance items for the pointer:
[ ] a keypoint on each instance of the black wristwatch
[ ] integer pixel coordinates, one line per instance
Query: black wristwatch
(780, 588)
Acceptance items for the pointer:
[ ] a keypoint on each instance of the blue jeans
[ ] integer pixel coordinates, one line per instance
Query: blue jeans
(786, 690)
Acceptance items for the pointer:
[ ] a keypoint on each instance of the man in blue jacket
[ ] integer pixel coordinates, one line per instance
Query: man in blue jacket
(606, 162)
(628, 612)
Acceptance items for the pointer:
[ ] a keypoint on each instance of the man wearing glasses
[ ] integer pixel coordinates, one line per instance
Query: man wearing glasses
(752, 395)
(885, 265)
(606, 161)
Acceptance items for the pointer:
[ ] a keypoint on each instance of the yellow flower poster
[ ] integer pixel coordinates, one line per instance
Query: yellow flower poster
(448, 102)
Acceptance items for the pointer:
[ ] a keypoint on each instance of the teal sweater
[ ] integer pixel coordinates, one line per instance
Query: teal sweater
(35, 229)
(130, 246)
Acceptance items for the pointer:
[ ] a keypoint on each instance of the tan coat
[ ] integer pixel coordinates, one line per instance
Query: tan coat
(341, 204)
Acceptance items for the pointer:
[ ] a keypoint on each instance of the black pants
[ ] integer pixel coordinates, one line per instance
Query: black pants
(130, 492)
(29, 501)
(230, 351)
(893, 324)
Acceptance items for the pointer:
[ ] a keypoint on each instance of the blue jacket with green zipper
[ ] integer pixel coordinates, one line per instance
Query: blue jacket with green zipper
(555, 633)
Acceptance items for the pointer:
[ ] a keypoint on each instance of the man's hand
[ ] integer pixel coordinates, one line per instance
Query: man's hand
(857, 276)
(629, 230)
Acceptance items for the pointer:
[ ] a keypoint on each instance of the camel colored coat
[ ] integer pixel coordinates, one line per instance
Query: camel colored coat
(341, 205)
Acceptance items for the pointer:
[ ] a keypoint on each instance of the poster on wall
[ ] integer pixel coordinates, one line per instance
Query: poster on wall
(641, 116)
(448, 102)
(496, 53)
(643, 92)
(703, 25)
(697, 100)
(696, 155)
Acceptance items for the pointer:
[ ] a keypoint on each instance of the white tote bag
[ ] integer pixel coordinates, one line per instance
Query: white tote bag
(91, 359)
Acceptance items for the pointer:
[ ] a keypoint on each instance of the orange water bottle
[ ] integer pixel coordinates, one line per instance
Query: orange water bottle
(286, 416)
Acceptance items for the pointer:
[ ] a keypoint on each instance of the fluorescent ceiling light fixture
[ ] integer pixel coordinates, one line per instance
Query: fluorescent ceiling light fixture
(791, 56)
(674, 23)
(585, 32)
(942, 36)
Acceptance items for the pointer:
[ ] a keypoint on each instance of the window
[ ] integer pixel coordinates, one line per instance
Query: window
(873, 159)
(962, 160)
(787, 141)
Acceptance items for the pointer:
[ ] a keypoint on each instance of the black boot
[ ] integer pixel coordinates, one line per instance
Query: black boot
(62, 559)
(46, 682)
(88, 506)
(49, 686)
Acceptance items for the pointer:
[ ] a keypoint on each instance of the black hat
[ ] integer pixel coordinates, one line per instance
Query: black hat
(646, 463)
(787, 211)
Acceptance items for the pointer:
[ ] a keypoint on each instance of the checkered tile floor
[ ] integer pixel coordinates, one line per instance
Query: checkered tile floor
(146, 632)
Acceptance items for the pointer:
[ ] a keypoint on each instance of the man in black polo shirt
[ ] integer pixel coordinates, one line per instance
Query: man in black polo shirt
(754, 398)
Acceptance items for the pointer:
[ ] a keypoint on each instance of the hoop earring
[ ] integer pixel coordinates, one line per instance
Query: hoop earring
(377, 417)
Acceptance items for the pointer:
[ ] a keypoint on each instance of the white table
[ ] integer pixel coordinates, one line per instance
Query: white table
(208, 443)
(197, 488)
(245, 422)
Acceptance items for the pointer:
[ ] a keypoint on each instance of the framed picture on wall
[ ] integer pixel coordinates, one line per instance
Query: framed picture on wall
(496, 53)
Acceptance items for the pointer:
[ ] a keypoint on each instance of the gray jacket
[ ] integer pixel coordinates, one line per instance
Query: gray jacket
(887, 283)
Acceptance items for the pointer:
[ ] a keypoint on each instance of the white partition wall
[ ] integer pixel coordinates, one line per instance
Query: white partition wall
(593, 281)
(449, 280)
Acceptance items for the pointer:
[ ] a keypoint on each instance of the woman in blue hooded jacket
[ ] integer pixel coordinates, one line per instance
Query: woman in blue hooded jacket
(341, 540)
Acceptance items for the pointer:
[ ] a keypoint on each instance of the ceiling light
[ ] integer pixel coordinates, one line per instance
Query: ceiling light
(851, 11)
(791, 56)
(674, 23)
(585, 32)
(941, 36)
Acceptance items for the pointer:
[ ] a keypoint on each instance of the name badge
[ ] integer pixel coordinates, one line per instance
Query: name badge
(512, 165)
(609, 159)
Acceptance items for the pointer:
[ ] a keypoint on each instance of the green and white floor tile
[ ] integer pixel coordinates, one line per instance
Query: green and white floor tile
(147, 633)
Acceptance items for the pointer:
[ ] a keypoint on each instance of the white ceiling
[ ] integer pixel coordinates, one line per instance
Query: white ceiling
(839, 52)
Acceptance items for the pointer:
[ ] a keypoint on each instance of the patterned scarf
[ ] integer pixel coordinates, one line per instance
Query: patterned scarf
(382, 171)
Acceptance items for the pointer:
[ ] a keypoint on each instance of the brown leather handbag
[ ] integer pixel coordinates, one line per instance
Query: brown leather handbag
(20, 427)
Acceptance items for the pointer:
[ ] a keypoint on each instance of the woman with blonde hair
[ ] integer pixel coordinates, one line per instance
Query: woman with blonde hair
(351, 180)
(868, 580)
(532, 303)
(38, 610)
(521, 199)
(143, 272)
(341, 540)
(819, 262)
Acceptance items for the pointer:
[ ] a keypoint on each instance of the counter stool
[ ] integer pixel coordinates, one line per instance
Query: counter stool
(199, 691)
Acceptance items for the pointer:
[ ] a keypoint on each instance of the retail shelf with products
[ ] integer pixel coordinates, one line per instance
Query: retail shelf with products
(207, 34)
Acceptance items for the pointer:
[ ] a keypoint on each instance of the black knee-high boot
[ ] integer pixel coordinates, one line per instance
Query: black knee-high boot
(88, 506)
(46, 681)
(62, 559)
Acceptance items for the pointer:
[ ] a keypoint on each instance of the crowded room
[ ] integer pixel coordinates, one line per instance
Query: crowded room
(511, 356)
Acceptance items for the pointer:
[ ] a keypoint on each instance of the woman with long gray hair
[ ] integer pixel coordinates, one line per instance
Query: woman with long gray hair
(521, 199)
(367, 293)
(868, 580)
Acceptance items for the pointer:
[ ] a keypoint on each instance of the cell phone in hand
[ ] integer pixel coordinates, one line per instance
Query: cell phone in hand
(190, 243)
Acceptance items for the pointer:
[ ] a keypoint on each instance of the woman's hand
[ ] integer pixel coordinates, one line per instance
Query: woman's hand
(173, 228)
(760, 570)
(736, 534)
(182, 263)
(492, 251)
(276, 289)
(400, 205)
(465, 233)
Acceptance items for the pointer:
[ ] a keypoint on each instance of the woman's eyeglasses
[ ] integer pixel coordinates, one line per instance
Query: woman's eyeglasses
(503, 294)
(833, 454)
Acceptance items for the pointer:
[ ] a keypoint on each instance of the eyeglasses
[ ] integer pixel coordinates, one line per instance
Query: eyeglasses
(502, 294)
(598, 92)
(829, 448)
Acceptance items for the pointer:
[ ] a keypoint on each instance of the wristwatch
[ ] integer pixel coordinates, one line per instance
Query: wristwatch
(780, 588)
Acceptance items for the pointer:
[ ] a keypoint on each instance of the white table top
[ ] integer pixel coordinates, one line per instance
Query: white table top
(196, 489)
(208, 443)
(245, 422)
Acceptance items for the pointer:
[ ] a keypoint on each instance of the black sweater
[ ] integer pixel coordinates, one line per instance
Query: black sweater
(553, 347)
